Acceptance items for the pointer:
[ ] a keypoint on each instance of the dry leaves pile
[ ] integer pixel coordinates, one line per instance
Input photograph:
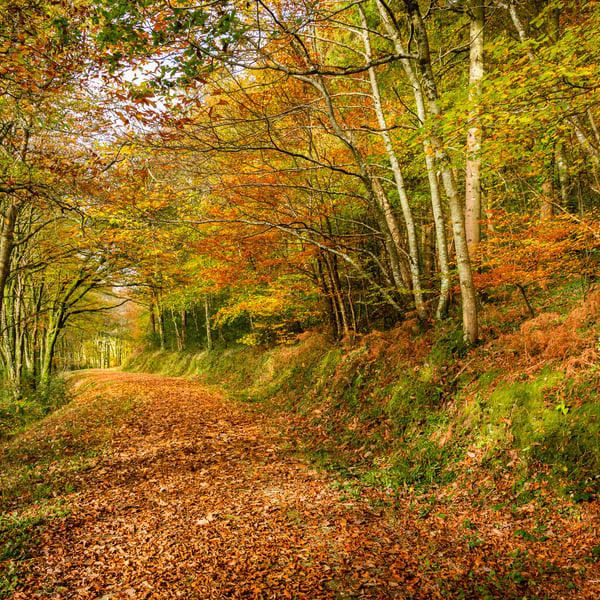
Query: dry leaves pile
(195, 498)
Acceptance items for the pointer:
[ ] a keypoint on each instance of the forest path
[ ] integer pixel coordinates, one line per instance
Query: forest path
(196, 498)
(148, 487)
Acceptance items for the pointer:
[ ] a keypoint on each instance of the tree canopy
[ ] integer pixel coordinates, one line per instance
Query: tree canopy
(243, 171)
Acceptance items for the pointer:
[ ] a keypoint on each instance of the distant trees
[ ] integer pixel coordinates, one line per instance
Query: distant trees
(57, 271)
(47, 157)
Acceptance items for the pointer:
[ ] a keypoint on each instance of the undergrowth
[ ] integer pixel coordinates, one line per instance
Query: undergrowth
(17, 410)
(412, 408)
(42, 466)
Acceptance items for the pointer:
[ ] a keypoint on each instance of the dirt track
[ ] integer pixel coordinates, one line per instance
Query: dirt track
(196, 499)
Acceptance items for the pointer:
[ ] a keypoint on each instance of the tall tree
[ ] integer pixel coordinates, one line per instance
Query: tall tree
(476, 9)
(468, 294)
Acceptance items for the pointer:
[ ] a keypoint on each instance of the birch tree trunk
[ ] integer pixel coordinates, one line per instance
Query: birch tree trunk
(160, 321)
(562, 166)
(177, 331)
(391, 27)
(409, 221)
(474, 133)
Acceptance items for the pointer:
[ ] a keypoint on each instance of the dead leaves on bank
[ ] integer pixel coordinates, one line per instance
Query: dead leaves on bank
(193, 498)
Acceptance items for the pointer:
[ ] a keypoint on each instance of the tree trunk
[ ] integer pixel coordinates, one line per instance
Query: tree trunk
(403, 263)
(152, 320)
(209, 342)
(436, 200)
(48, 356)
(562, 166)
(107, 352)
(183, 323)
(177, 331)
(328, 295)
(474, 133)
(161, 328)
(338, 299)
(547, 203)
(398, 178)
(351, 304)
(160, 320)
(7, 243)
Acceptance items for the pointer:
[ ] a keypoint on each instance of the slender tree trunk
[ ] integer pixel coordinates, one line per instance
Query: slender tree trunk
(351, 304)
(177, 331)
(337, 294)
(183, 324)
(7, 243)
(37, 336)
(107, 353)
(474, 133)
(399, 179)
(562, 166)
(48, 356)
(209, 342)
(160, 320)
(403, 256)
(327, 294)
(428, 245)
(391, 27)
(547, 203)
(161, 328)
(196, 325)
(152, 320)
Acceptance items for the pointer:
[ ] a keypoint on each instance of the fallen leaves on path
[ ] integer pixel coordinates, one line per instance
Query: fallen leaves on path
(197, 498)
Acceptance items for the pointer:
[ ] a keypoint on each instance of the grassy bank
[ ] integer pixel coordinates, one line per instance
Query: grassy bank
(494, 449)
(53, 442)
(413, 408)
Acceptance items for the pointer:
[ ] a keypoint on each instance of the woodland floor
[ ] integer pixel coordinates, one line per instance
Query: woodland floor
(195, 497)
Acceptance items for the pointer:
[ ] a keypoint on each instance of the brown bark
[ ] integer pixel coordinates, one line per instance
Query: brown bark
(547, 204)
(7, 244)
(209, 341)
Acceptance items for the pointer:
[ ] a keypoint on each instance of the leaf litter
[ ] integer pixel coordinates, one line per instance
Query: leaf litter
(194, 497)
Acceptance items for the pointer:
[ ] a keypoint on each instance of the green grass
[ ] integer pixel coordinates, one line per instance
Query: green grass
(553, 421)
(19, 538)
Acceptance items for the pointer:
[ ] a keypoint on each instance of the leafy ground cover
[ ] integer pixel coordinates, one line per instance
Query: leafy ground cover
(155, 487)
